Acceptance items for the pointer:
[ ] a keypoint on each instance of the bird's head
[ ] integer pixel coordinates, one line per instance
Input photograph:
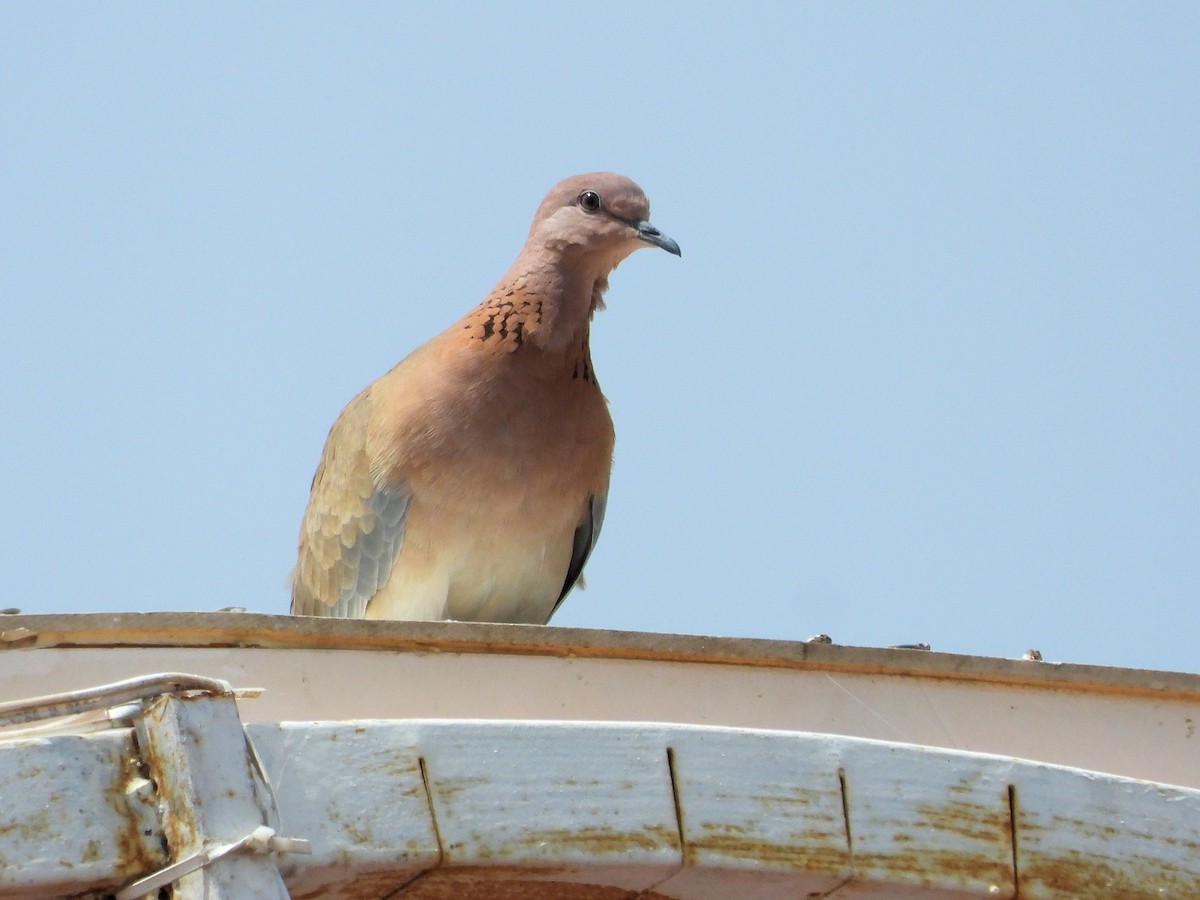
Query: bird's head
(595, 221)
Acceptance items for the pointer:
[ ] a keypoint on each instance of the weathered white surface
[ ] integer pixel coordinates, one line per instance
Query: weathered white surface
(758, 815)
(928, 821)
(1080, 834)
(556, 807)
(551, 805)
(563, 804)
(463, 810)
(74, 815)
(355, 791)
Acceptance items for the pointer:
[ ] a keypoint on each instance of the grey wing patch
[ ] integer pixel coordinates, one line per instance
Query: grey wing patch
(368, 548)
(369, 560)
(586, 536)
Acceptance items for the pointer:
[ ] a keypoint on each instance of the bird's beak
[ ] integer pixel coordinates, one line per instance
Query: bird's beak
(652, 235)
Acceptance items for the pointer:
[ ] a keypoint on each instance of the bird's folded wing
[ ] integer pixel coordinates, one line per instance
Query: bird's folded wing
(586, 536)
(352, 529)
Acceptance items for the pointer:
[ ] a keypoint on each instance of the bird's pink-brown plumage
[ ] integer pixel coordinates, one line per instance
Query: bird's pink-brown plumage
(470, 481)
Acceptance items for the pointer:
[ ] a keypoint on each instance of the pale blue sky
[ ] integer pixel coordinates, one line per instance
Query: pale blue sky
(927, 370)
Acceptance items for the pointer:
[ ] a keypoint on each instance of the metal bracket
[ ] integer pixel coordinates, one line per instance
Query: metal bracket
(262, 840)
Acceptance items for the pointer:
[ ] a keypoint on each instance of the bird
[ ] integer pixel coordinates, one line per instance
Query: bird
(470, 481)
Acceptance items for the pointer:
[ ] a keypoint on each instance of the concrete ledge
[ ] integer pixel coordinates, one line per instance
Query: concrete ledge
(257, 630)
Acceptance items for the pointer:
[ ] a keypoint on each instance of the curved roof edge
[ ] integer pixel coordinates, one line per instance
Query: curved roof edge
(258, 630)
(475, 809)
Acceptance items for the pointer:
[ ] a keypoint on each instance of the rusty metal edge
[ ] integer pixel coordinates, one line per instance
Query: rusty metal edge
(264, 631)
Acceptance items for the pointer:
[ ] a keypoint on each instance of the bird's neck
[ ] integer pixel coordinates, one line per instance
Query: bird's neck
(542, 302)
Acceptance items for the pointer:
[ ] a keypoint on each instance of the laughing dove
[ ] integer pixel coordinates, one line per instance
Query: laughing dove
(469, 482)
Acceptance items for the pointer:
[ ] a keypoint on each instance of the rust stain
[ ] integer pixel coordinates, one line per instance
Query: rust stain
(36, 828)
(593, 841)
(803, 798)
(811, 850)
(32, 829)
(1193, 846)
(354, 831)
(1091, 828)
(973, 821)
(447, 789)
(402, 767)
(92, 852)
(962, 822)
(922, 865)
(137, 852)
(178, 831)
(417, 790)
(607, 841)
(1075, 874)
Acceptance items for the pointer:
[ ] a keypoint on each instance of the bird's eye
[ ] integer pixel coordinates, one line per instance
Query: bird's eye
(590, 201)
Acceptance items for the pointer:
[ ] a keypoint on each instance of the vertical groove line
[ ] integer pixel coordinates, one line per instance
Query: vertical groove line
(846, 813)
(1012, 829)
(402, 889)
(683, 848)
(437, 831)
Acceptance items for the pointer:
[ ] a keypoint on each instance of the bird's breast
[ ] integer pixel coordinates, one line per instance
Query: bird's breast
(500, 463)
(499, 456)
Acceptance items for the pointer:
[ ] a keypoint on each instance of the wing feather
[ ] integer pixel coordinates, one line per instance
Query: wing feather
(352, 529)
